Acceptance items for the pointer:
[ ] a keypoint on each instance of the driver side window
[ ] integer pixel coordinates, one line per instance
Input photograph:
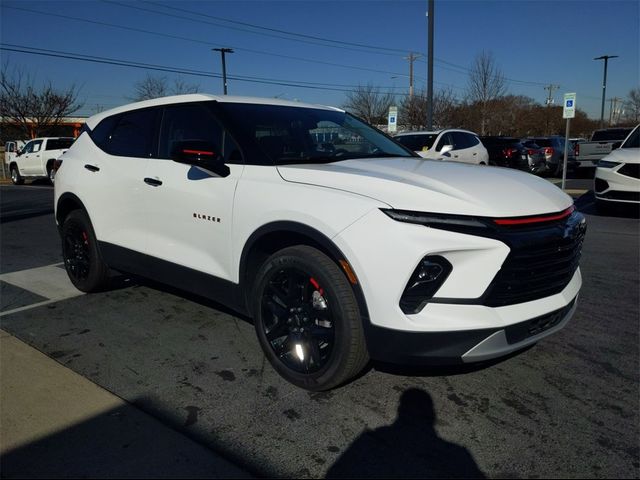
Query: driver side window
(445, 140)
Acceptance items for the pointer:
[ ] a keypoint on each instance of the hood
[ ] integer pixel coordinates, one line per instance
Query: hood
(624, 155)
(409, 183)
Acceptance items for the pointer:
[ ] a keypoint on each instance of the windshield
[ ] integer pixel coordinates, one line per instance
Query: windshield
(418, 142)
(290, 135)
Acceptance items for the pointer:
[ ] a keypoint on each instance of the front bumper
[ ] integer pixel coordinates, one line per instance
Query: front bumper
(474, 345)
(611, 186)
(487, 298)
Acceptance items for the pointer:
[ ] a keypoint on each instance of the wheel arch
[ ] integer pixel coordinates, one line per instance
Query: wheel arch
(275, 236)
(65, 205)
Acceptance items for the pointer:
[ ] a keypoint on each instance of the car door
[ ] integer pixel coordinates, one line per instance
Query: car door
(189, 210)
(30, 159)
(112, 178)
(445, 139)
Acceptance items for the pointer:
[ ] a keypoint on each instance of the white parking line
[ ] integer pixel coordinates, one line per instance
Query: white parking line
(50, 282)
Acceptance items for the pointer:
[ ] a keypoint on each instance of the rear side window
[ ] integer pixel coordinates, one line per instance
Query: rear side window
(58, 144)
(188, 122)
(129, 134)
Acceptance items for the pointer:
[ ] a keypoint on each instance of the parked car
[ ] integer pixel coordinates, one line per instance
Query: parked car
(341, 247)
(448, 144)
(603, 142)
(37, 159)
(553, 148)
(617, 178)
(510, 152)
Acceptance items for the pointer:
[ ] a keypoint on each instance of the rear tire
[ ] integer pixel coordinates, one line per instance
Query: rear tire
(307, 319)
(16, 178)
(82, 259)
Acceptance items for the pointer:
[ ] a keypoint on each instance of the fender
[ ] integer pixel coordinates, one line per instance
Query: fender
(299, 229)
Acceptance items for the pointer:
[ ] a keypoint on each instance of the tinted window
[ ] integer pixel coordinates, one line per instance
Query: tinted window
(462, 140)
(59, 143)
(132, 134)
(610, 134)
(417, 142)
(294, 135)
(445, 139)
(193, 121)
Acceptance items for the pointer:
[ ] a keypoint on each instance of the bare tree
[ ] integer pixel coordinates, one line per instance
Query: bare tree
(153, 86)
(632, 105)
(486, 83)
(369, 103)
(35, 110)
(413, 109)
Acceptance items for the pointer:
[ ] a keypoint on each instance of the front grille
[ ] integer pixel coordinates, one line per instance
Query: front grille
(630, 170)
(541, 263)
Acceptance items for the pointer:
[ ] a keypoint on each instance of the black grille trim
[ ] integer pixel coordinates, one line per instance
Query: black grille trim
(541, 262)
(619, 195)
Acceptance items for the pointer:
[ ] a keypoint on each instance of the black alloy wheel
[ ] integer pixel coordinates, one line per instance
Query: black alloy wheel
(298, 322)
(82, 260)
(307, 319)
(76, 252)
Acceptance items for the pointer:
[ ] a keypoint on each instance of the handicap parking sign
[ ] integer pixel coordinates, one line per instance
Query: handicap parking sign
(569, 110)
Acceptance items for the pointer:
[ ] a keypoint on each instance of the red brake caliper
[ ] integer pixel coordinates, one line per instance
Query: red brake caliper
(316, 285)
(85, 237)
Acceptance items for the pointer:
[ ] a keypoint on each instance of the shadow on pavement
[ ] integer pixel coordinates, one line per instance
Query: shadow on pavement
(119, 443)
(409, 448)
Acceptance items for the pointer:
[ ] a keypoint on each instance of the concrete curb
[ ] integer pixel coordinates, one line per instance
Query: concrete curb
(58, 424)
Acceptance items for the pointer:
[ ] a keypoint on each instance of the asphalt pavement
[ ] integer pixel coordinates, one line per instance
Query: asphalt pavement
(189, 376)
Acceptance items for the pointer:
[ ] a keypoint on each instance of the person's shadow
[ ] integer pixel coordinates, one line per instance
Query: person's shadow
(408, 448)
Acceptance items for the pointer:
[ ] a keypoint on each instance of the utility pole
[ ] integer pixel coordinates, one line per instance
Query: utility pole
(551, 87)
(224, 66)
(412, 58)
(604, 84)
(430, 15)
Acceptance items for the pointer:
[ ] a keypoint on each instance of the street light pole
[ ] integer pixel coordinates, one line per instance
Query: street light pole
(224, 66)
(430, 15)
(604, 84)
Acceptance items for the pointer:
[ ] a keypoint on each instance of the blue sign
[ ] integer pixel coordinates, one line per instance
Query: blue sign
(569, 103)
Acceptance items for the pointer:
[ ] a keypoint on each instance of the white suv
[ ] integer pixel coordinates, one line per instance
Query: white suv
(450, 144)
(339, 242)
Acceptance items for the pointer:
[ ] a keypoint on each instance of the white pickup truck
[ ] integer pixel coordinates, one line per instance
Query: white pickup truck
(37, 158)
(602, 143)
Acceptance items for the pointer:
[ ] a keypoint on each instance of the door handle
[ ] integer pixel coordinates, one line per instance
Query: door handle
(154, 182)
(92, 168)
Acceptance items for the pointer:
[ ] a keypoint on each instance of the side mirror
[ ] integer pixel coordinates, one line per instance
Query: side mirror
(446, 149)
(201, 154)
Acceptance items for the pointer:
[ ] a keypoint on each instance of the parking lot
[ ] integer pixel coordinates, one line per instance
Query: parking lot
(567, 407)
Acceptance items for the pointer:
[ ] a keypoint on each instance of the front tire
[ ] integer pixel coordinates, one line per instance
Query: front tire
(307, 319)
(16, 178)
(82, 259)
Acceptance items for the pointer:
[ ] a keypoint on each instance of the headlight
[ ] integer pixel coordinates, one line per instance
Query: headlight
(447, 222)
(607, 164)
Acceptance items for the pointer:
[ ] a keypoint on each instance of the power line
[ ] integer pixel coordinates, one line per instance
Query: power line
(260, 27)
(246, 30)
(202, 42)
(183, 71)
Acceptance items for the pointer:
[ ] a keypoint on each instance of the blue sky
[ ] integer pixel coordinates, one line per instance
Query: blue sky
(535, 43)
